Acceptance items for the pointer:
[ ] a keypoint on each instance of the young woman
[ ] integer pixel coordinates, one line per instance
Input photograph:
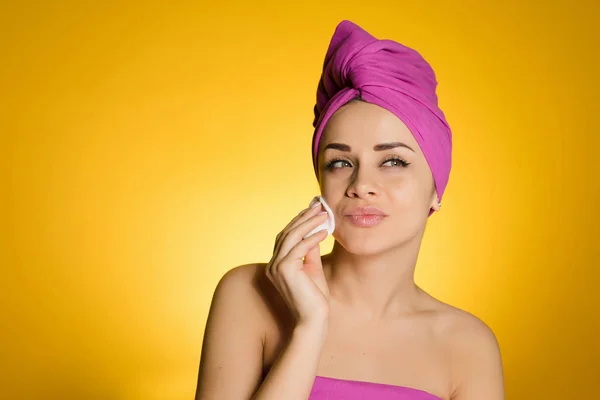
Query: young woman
(353, 324)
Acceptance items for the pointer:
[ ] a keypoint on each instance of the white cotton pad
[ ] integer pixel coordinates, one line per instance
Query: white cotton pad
(328, 224)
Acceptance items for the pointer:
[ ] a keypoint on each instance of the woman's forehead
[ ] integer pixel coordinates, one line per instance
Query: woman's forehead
(360, 124)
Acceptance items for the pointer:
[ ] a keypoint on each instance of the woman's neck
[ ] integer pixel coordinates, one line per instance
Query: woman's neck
(377, 285)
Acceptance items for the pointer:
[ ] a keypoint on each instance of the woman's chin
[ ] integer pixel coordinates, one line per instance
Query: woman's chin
(364, 244)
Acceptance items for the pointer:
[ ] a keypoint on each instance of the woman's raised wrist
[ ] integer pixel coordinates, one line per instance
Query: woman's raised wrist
(311, 330)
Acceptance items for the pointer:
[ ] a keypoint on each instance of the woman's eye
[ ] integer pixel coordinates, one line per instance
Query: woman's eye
(396, 162)
(331, 164)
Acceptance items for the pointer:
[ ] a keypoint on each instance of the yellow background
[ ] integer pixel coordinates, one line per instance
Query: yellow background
(148, 147)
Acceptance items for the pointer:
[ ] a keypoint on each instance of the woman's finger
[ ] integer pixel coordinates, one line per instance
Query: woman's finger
(298, 251)
(297, 234)
(288, 241)
(301, 217)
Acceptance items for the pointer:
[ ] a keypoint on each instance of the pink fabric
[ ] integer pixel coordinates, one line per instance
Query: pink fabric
(340, 389)
(390, 75)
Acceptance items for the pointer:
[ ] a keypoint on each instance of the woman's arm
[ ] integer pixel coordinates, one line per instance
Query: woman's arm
(479, 365)
(231, 359)
(293, 374)
(232, 351)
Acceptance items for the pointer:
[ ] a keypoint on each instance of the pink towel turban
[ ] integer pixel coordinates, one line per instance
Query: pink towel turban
(392, 76)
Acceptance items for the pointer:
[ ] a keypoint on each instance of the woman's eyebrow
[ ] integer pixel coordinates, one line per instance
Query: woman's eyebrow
(387, 146)
(377, 147)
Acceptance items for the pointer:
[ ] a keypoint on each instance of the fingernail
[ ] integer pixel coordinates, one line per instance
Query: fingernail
(322, 212)
(315, 202)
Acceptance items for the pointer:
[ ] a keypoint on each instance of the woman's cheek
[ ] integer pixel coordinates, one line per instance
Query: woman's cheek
(402, 195)
(407, 191)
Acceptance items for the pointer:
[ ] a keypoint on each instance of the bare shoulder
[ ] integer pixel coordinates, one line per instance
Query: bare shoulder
(455, 324)
(242, 275)
(462, 327)
(248, 286)
(474, 351)
(247, 283)
(231, 363)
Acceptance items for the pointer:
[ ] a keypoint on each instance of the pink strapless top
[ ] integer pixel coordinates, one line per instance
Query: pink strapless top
(341, 389)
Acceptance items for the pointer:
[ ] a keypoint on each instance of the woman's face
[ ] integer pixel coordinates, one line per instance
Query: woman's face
(357, 169)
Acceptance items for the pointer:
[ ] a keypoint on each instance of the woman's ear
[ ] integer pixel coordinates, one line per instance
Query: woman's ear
(436, 204)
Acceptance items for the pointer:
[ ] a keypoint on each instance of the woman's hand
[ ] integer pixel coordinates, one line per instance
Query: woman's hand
(296, 270)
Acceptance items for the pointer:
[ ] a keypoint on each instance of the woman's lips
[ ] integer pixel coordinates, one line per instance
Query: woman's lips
(364, 220)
